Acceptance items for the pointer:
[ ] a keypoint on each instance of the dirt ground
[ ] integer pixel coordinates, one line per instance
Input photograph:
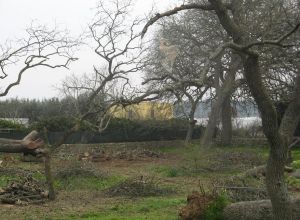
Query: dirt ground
(82, 184)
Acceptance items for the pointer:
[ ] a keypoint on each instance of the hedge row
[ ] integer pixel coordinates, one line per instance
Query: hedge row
(119, 130)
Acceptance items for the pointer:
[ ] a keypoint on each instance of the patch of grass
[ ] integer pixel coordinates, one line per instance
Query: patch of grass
(296, 154)
(4, 180)
(148, 208)
(39, 176)
(80, 176)
(89, 183)
(166, 171)
(296, 164)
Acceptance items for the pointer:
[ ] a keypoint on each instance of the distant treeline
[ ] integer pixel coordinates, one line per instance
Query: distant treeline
(35, 109)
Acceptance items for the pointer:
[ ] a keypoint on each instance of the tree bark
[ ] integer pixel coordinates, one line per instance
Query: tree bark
(191, 127)
(213, 119)
(226, 116)
(48, 175)
(275, 182)
(278, 144)
(225, 91)
(192, 122)
(211, 124)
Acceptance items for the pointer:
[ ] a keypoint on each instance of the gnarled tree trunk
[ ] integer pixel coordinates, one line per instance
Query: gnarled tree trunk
(278, 138)
(225, 91)
(226, 116)
(191, 126)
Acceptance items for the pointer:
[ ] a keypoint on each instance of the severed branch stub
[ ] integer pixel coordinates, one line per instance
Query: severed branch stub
(31, 144)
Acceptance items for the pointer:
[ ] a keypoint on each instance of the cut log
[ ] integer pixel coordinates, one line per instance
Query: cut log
(257, 210)
(29, 144)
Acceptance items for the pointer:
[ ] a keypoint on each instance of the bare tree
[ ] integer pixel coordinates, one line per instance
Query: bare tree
(195, 36)
(42, 47)
(248, 36)
(116, 40)
(174, 80)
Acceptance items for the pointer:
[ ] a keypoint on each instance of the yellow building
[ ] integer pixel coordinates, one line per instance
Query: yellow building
(144, 110)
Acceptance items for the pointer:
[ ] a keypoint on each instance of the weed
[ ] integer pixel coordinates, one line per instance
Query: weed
(167, 171)
(4, 180)
(293, 182)
(296, 154)
(214, 211)
(296, 164)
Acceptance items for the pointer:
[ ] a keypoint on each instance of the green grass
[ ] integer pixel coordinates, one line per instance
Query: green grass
(87, 183)
(149, 208)
(166, 171)
(296, 164)
(296, 153)
(4, 180)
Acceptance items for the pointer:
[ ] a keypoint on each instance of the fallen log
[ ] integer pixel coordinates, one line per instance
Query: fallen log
(28, 144)
(257, 210)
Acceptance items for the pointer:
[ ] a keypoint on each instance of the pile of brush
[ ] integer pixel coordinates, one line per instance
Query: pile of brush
(23, 192)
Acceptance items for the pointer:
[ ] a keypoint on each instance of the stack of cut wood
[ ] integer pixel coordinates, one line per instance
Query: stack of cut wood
(24, 192)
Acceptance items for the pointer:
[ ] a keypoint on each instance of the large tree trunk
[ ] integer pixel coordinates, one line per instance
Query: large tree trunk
(275, 182)
(189, 134)
(223, 94)
(226, 116)
(214, 115)
(210, 129)
(278, 144)
(225, 91)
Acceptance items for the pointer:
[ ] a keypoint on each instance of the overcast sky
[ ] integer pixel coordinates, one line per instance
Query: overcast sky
(16, 15)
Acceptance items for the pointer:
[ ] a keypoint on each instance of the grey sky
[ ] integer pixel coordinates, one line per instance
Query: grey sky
(16, 15)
